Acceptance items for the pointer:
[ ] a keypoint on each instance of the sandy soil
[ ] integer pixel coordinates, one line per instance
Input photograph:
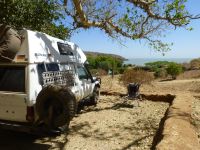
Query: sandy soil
(196, 115)
(115, 123)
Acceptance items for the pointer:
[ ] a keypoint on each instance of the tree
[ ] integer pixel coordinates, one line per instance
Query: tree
(106, 62)
(158, 67)
(153, 66)
(174, 69)
(40, 15)
(134, 19)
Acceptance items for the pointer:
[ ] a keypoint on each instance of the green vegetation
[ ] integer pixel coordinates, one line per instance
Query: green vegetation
(157, 64)
(40, 15)
(131, 19)
(174, 69)
(158, 67)
(163, 68)
(105, 62)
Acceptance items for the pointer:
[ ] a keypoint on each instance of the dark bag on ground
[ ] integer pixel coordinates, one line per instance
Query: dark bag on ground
(133, 90)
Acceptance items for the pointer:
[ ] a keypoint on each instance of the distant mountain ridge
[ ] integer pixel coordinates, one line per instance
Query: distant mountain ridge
(104, 54)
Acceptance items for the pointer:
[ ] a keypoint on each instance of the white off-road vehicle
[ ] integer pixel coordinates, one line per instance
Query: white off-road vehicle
(43, 81)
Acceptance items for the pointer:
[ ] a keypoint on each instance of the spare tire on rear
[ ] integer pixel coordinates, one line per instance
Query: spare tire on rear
(56, 106)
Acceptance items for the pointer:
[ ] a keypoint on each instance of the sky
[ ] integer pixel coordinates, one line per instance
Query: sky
(186, 44)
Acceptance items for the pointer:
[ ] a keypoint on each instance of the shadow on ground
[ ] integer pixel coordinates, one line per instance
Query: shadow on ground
(10, 140)
(139, 132)
(164, 80)
(146, 126)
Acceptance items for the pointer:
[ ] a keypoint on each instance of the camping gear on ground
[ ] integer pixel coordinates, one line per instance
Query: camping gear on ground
(133, 90)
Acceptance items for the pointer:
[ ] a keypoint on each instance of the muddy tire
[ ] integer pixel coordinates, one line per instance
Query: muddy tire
(56, 106)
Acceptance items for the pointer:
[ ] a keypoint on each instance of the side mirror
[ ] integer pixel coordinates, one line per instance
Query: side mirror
(98, 79)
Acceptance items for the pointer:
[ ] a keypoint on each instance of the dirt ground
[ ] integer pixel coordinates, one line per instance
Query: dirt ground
(196, 115)
(115, 123)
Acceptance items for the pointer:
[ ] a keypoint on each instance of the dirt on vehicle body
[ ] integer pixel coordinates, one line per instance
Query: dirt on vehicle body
(42, 80)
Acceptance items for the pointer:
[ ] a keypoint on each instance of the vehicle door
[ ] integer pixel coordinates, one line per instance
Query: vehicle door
(13, 92)
(85, 81)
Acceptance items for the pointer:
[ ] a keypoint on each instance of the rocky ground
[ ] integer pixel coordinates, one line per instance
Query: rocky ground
(115, 123)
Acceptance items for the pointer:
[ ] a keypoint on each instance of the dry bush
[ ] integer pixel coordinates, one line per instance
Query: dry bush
(98, 72)
(195, 64)
(106, 83)
(136, 76)
(102, 72)
(189, 74)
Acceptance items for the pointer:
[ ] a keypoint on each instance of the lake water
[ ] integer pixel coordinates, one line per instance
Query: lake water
(142, 61)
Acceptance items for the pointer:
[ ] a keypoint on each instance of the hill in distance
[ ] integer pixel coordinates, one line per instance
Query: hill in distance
(94, 54)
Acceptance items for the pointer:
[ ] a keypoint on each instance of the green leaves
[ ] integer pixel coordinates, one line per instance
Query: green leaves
(135, 19)
(39, 15)
(162, 68)
(174, 69)
(104, 62)
(160, 46)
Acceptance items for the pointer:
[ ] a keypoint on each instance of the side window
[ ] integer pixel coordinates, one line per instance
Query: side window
(52, 67)
(82, 73)
(64, 49)
(12, 78)
(46, 67)
(49, 67)
(41, 69)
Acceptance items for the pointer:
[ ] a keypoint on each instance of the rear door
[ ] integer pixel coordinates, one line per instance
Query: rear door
(13, 92)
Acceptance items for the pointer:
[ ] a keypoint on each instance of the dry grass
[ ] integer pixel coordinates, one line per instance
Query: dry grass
(136, 76)
(189, 74)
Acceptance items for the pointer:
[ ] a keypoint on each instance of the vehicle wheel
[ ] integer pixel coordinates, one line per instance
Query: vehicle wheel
(56, 106)
(95, 95)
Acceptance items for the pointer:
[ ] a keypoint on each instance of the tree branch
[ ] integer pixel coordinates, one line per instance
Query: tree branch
(130, 23)
(146, 6)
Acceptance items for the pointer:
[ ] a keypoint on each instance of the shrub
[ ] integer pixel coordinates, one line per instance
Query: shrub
(102, 72)
(98, 72)
(186, 66)
(162, 69)
(174, 70)
(160, 73)
(154, 66)
(195, 64)
(189, 74)
(105, 62)
(94, 72)
(136, 76)
(121, 70)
